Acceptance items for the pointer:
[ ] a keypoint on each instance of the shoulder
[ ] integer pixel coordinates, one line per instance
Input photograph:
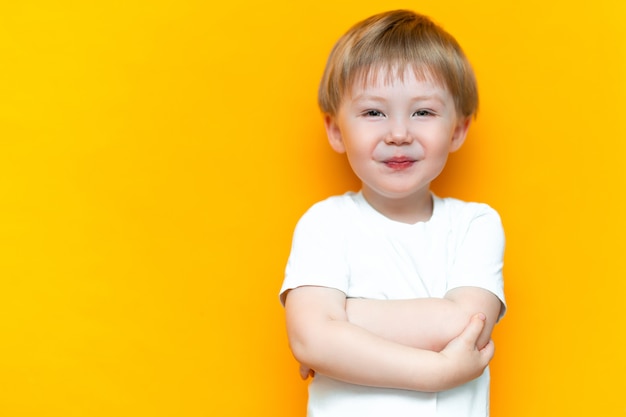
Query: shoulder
(336, 203)
(331, 211)
(456, 210)
(462, 217)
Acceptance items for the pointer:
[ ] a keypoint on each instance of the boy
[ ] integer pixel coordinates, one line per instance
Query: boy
(391, 293)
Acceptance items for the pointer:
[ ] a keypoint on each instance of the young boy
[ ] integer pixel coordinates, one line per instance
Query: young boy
(391, 293)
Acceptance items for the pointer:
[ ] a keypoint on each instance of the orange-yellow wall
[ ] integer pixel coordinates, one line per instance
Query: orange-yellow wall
(155, 156)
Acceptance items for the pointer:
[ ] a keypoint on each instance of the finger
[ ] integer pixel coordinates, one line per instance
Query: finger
(474, 328)
(488, 351)
(304, 372)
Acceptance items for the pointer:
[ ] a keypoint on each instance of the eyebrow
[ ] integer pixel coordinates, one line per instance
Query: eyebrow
(373, 97)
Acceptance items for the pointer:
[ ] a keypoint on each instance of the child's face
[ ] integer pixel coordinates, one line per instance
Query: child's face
(397, 134)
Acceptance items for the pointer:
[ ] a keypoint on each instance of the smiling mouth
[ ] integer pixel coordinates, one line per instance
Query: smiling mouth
(399, 164)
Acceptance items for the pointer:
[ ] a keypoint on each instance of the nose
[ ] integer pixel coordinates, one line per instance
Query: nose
(398, 133)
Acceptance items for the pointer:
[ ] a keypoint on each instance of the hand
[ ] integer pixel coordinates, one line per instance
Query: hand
(466, 360)
(306, 372)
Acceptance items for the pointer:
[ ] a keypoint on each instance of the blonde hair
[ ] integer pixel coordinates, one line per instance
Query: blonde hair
(395, 41)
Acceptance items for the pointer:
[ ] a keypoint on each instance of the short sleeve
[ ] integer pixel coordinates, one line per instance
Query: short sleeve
(479, 252)
(318, 250)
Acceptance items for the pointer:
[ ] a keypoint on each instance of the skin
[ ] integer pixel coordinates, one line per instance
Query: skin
(397, 136)
(322, 338)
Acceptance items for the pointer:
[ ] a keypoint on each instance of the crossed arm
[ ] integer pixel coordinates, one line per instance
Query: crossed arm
(420, 344)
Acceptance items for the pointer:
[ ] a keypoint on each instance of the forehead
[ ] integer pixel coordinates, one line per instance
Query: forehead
(381, 80)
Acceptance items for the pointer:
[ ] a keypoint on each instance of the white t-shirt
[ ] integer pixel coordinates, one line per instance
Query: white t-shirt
(344, 243)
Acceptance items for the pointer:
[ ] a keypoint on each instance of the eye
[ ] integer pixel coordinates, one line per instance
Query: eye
(423, 113)
(373, 113)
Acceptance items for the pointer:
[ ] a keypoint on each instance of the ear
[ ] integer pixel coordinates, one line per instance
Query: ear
(334, 134)
(459, 134)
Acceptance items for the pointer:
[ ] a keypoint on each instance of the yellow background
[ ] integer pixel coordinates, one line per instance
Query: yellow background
(155, 156)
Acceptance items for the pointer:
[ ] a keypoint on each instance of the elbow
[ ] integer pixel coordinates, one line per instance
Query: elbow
(472, 300)
(299, 351)
(303, 347)
(312, 345)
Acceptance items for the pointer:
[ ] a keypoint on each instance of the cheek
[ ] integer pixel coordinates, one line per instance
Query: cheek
(359, 142)
(438, 141)
(357, 155)
(360, 156)
(439, 156)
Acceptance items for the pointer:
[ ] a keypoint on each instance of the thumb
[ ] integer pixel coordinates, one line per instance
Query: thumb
(489, 350)
(473, 329)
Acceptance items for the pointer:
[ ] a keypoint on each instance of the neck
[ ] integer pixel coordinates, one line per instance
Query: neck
(411, 209)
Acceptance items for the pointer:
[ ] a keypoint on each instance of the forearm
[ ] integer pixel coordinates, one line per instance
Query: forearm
(425, 323)
(321, 338)
(345, 352)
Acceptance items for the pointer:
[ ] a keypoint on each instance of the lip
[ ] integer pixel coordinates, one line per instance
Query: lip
(399, 163)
